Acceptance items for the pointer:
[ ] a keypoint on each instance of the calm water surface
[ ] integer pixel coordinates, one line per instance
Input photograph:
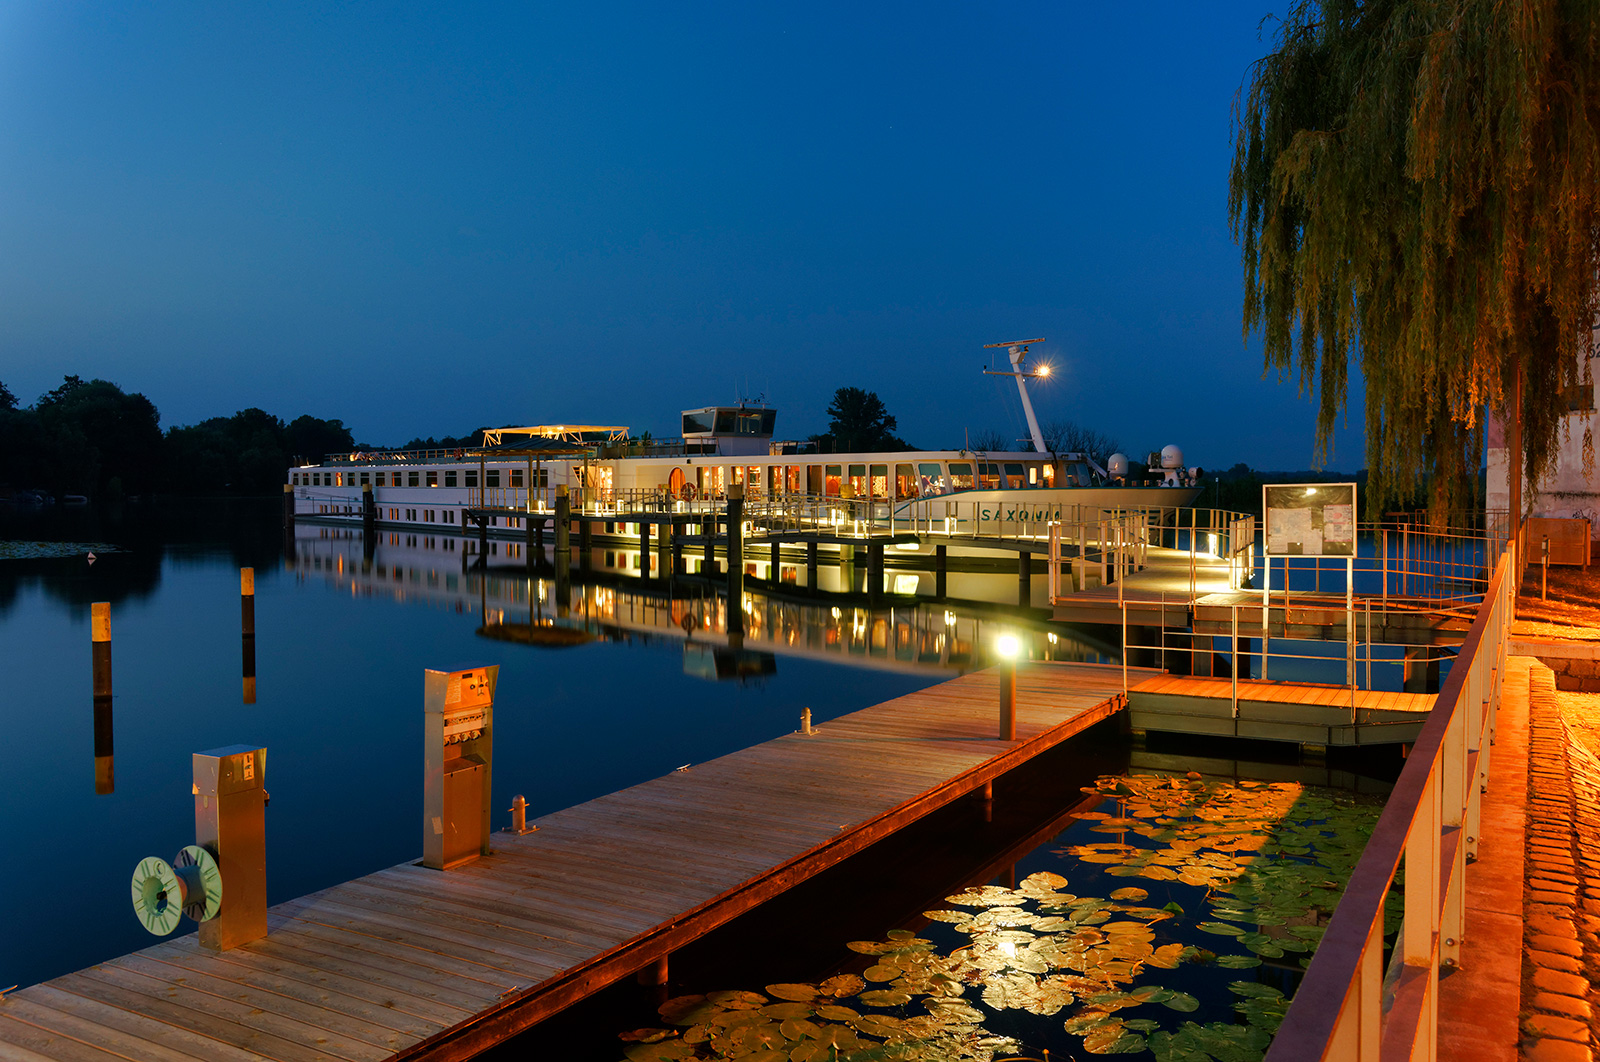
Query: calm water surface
(342, 639)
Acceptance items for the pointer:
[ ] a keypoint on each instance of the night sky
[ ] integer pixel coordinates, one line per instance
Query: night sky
(425, 218)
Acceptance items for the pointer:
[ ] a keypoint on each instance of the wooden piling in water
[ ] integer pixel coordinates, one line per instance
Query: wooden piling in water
(369, 512)
(288, 507)
(940, 566)
(100, 665)
(644, 550)
(563, 528)
(247, 632)
(811, 565)
(736, 558)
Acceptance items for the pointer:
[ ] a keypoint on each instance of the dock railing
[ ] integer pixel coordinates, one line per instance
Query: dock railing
(1431, 820)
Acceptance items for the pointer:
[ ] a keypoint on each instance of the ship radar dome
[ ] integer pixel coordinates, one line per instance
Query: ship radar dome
(1117, 465)
(1171, 457)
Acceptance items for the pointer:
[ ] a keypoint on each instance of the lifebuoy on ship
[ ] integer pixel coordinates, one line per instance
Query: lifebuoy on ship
(688, 493)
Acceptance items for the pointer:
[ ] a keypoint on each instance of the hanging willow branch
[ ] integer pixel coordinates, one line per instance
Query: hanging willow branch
(1414, 184)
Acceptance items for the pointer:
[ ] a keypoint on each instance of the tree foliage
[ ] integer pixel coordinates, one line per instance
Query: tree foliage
(1068, 436)
(858, 422)
(1414, 184)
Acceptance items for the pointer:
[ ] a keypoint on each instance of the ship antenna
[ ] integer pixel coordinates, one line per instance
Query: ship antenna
(1017, 349)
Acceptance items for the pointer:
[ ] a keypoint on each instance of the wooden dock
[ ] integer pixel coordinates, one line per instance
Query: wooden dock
(414, 963)
(1307, 713)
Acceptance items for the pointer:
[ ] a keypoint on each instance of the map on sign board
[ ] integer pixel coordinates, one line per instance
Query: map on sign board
(1310, 519)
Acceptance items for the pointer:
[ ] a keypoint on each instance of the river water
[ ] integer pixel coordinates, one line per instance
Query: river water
(603, 684)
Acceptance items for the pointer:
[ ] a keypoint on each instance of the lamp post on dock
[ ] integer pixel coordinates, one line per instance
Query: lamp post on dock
(1008, 647)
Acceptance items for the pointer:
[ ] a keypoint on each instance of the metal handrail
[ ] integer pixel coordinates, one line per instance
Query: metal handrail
(1432, 820)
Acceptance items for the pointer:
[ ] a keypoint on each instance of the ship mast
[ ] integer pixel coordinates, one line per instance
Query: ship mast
(1017, 350)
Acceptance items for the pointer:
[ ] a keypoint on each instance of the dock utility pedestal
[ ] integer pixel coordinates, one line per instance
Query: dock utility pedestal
(458, 738)
(230, 821)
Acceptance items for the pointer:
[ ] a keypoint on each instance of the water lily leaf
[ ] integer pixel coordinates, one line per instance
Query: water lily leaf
(885, 997)
(947, 916)
(737, 1000)
(646, 1036)
(1042, 881)
(1238, 962)
(1254, 989)
(795, 993)
(1130, 894)
(801, 1029)
(834, 1012)
(666, 1051)
(1182, 1002)
(1222, 929)
(686, 1010)
(841, 986)
(870, 947)
(781, 1011)
(881, 972)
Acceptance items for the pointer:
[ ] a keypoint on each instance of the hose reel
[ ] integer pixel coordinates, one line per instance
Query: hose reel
(190, 885)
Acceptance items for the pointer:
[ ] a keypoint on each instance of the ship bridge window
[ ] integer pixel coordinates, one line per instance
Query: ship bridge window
(725, 422)
(905, 482)
(932, 477)
(450, 477)
(1015, 477)
(830, 480)
(960, 475)
(696, 423)
(1077, 474)
(988, 476)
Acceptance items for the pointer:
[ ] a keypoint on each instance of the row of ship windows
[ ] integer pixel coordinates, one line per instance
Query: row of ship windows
(417, 477)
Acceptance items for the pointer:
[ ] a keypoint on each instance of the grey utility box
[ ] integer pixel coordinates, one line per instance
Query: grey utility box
(458, 756)
(230, 821)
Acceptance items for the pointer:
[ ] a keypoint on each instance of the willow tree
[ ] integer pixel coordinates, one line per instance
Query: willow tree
(1414, 189)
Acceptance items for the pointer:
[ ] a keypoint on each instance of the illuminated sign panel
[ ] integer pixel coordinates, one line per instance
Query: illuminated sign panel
(1310, 519)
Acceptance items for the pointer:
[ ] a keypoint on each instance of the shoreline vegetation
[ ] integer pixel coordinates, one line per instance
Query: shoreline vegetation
(91, 439)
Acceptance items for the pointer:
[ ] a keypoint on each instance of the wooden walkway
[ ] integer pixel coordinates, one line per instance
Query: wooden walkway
(1302, 712)
(416, 963)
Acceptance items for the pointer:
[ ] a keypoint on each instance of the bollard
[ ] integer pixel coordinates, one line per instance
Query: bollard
(1544, 567)
(519, 816)
(805, 721)
(288, 508)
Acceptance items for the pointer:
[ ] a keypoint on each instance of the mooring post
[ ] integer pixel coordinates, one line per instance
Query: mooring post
(644, 550)
(811, 565)
(527, 542)
(736, 558)
(100, 659)
(563, 527)
(776, 567)
(874, 570)
(664, 548)
(247, 631)
(1024, 578)
(986, 795)
(288, 507)
(369, 512)
(940, 567)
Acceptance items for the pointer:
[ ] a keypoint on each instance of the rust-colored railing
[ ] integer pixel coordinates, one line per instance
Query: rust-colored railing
(1431, 820)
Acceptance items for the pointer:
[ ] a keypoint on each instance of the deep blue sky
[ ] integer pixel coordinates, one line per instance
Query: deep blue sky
(423, 218)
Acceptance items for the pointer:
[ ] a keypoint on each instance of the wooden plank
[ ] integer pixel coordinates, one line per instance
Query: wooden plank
(117, 1020)
(33, 1042)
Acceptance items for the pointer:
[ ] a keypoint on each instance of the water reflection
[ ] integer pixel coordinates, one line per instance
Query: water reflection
(558, 608)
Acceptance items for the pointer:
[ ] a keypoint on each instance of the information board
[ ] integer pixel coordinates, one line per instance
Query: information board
(1310, 519)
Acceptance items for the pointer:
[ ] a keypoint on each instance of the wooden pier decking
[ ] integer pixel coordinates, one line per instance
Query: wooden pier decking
(416, 963)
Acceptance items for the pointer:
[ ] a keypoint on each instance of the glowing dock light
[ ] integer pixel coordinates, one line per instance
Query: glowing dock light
(1007, 647)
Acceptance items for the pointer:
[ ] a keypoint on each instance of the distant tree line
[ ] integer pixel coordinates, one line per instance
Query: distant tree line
(92, 438)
